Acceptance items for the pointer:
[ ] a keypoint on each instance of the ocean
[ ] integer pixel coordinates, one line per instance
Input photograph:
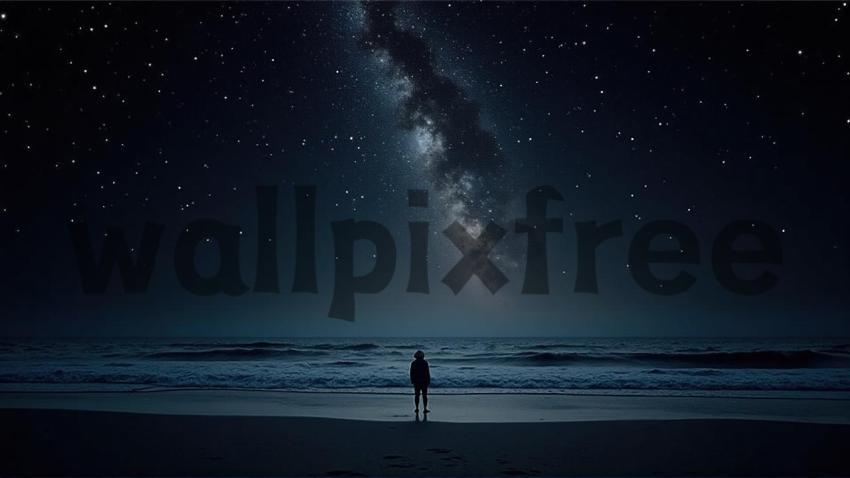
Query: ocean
(458, 365)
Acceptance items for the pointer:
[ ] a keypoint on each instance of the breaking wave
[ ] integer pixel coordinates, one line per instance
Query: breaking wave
(752, 359)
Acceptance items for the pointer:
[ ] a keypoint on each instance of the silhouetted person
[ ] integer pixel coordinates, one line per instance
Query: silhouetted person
(420, 377)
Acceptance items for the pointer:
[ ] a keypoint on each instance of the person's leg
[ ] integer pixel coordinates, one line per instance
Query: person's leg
(424, 398)
(416, 398)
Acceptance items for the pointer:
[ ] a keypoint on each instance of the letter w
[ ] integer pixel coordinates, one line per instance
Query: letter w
(95, 274)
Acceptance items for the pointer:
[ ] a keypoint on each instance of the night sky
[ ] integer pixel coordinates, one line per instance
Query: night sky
(121, 114)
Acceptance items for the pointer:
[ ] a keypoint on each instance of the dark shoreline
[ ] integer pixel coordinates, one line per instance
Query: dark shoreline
(64, 442)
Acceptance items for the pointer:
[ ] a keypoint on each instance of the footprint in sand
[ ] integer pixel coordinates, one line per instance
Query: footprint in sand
(514, 472)
(518, 472)
(398, 461)
(450, 460)
(438, 450)
(343, 473)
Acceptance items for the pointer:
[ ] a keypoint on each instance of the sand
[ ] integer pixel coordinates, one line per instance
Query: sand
(49, 441)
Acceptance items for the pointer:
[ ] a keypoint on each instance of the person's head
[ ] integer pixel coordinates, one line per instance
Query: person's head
(419, 355)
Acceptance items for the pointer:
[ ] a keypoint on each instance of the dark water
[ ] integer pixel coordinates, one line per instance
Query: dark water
(458, 364)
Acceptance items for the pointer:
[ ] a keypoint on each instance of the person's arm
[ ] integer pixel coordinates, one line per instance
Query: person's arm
(427, 374)
(411, 374)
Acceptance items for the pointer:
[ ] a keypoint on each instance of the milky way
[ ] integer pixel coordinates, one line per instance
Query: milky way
(464, 162)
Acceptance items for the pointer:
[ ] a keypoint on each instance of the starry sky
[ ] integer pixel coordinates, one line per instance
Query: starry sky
(121, 114)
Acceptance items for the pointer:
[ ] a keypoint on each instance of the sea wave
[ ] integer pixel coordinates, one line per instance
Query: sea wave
(255, 345)
(760, 359)
(363, 346)
(232, 354)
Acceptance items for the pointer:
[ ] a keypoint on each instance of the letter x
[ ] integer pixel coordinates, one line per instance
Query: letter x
(474, 260)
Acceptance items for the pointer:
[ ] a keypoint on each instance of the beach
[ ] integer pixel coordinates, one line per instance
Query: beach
(505, 406)
(208, 432)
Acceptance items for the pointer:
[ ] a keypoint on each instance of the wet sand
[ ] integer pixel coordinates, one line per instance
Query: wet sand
(464, 408)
